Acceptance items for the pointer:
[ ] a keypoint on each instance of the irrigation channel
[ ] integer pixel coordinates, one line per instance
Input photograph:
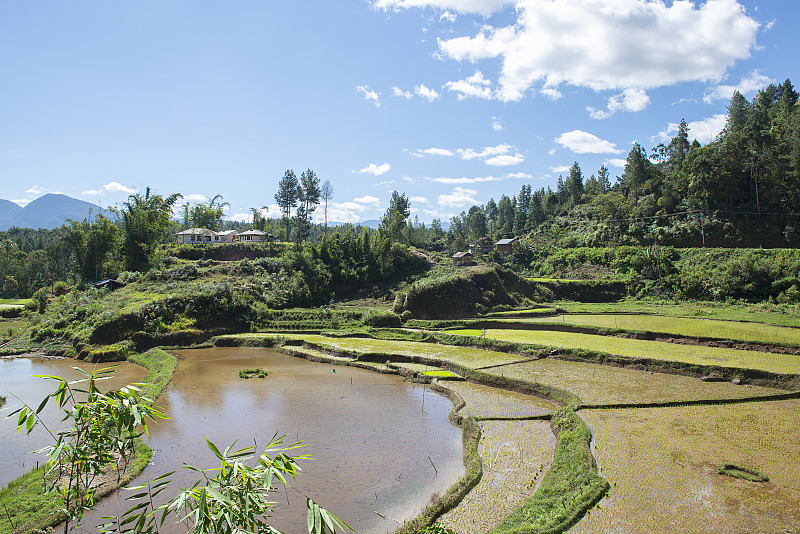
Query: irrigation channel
(373, 444)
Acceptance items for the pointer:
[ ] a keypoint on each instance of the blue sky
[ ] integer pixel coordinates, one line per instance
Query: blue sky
(449, 101)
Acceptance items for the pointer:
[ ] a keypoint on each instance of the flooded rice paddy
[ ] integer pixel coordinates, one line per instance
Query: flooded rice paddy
(662, 467)
(368, 433)
(485, 401)
(682, 326)
(18, 386)
(516, 455)
(602, 384)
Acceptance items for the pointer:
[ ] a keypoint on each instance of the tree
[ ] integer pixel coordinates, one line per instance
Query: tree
(603, 180)
(287, 197)
(491, 216)
(259, 221)
(574, 184)
(93, 245)
(101, 435)
(326, 195)
(145, 219)
(394, 220)
(207, 215)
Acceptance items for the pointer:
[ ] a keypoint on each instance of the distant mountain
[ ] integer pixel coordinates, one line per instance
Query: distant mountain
(48, 211)
(8, 210)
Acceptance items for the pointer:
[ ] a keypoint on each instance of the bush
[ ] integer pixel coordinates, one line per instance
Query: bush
(387, 319)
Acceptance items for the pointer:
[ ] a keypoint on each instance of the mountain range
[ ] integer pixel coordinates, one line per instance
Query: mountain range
(48, 211)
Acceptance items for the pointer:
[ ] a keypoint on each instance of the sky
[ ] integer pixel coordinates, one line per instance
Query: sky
(451, 102)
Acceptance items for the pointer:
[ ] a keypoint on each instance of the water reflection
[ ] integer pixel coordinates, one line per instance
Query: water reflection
(369, 436)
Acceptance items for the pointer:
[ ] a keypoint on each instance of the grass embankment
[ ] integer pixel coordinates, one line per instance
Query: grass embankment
(569, 489)
(747, 332)
(653, 350)
(25, 502)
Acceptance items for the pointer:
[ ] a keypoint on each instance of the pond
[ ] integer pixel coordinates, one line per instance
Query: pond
(18, 385)
(373, 441)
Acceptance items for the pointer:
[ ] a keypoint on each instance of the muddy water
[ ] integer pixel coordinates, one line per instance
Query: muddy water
(369, 436)
(18, 385)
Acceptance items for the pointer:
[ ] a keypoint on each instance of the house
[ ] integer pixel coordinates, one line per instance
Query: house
(462, 258)
(194, 236)
(225, 237)
(483, 245)
(253, 236)
(506, 246)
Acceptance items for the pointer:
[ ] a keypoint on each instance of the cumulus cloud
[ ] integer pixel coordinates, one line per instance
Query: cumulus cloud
(421, 200)
(505, 160)
(369, 95)
(376, 170)
(35, 190)
(581, 142)
(460, 197)
(560, 168)
(242, 217)
(633, 100)
(425, 92)
(704, 130)
(21, 201)
(448, 16)
(399, 92)
(368, 199)
(522, 175)
(615, 162)
(465, 180)
(433, 152)
(474, 86)
(92, 192)
(195, 198)
(482, 7)
(748, 84)
(116, 187)
(603, 44)
(498, 156)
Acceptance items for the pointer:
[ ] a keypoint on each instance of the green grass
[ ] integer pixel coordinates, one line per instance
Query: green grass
(681, 326)
(160, 366)
(733, 470)
(638, 348)
(250, 373)
(15, 302)
(466, 356)
(441, 373)
(529, 311)
(759, 313)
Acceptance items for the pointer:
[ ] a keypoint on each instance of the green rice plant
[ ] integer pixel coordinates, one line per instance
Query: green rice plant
(736, 471)
(656, 350)
(679, 326)
(250, 373)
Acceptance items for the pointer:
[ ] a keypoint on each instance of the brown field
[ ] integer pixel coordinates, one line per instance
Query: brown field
(662, 467)
(485, 401)
(602, 384)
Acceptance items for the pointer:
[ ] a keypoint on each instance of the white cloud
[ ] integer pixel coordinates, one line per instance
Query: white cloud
(464, 180)
(92, 192)
(21, 201)
(399, 92)
(195, 198)
(582, 142)
(116, 187)
(376, 170)
(552, 94)
(552, 151)
(603, 44)
(616, 162)
(704, 130)
(369, 95)
(242, 217)
(482, 7)
(433, 152)
(560, 168)
(497, 126)
(35, 190)
(473, 86)
(460, 197)
(505, 160)
(368, 199)
(448, 16)
(421, 200)
(426, 92)
(487, 152)
(522, 175)
(769, 25)
(749, 84)
(633, 100)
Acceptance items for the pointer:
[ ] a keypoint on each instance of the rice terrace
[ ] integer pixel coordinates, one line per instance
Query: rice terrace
(449, 325)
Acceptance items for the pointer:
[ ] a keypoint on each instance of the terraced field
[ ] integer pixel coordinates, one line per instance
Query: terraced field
(516, 455)
(602, 384)
(466, 356)
(679, 326)
(662, 467)
(488, 402)
(639, 348)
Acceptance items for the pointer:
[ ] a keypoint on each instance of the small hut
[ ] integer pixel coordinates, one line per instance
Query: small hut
(506, 246)
(462, 258)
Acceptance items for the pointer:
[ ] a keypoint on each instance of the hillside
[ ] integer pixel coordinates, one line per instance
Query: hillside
(48, 211)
